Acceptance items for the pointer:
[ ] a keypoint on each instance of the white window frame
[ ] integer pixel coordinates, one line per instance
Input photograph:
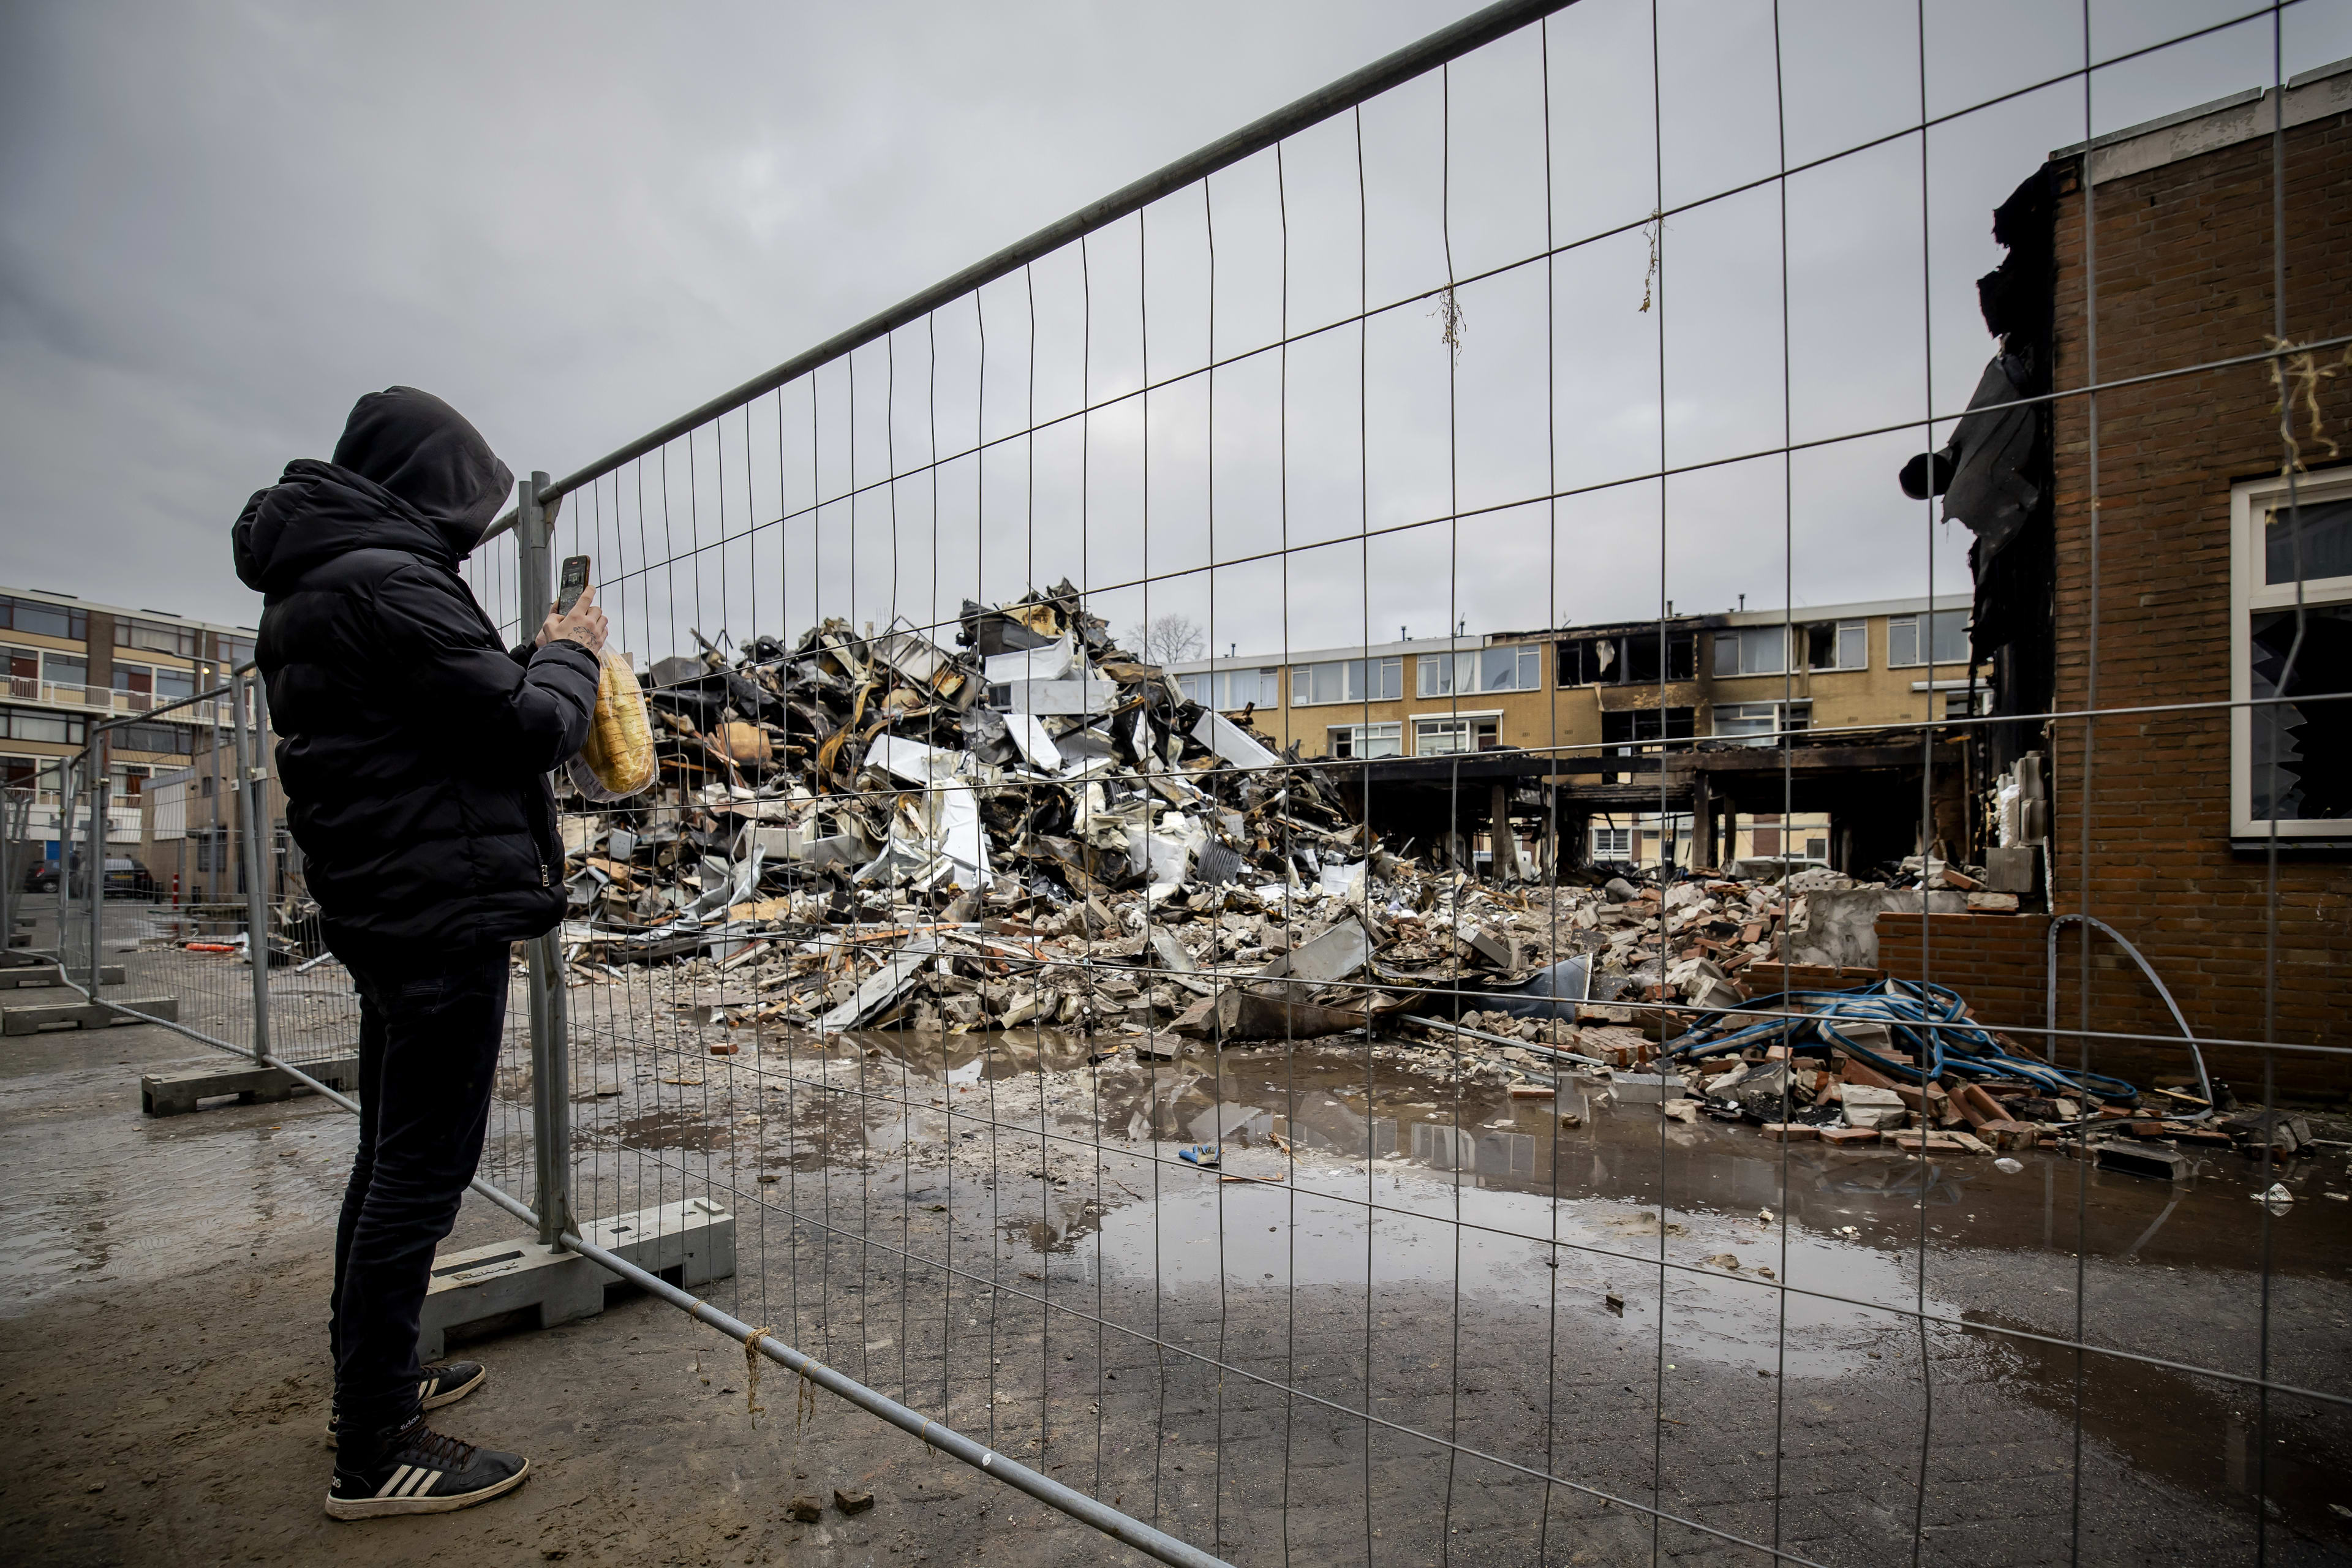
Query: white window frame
(1468, 672)
(1737, 640)
(1779, 709)
(2250, 507)
(1468, 715)
(1373, 668)
(1440, 674)
(1839, 632)
(1215, 688)
(1359, 733)
(1924, 620)
(1620, 846)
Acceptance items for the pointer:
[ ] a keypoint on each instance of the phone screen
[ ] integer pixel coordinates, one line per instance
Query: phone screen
(575, 584)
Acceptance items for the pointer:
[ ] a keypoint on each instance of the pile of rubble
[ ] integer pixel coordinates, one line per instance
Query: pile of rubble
(1040, 828)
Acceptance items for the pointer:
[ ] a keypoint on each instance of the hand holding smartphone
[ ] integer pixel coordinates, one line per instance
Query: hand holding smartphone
(571, 620)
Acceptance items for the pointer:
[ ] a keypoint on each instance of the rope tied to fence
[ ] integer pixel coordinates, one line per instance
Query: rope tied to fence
(752, 1363)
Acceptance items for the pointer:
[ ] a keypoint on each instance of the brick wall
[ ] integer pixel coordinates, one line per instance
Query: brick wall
(2185, 266)
(2000, 964)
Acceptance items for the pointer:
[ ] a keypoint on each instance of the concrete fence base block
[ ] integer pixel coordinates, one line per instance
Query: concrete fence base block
(688, 1244)
(507, 1277)
(36, 1018)
(177, 1091)
(35, 976)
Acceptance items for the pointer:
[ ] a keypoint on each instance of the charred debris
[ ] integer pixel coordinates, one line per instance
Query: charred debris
(862, 831)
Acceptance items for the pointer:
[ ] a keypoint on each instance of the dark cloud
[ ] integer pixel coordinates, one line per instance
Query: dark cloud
(219, 224)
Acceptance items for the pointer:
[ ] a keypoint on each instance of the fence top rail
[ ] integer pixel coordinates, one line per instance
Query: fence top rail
(1450, 43)
(213, 694)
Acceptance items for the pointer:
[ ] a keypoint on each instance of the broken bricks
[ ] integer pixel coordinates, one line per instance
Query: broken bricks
(1036, 827)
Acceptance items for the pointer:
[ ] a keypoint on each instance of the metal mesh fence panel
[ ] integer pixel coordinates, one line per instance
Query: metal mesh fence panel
(1579, 1078)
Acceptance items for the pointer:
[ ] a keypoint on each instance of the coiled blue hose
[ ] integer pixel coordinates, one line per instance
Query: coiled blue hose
(1928, 1018)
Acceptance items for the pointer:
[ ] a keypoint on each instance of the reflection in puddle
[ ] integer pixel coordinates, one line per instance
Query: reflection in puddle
(1374, 1173)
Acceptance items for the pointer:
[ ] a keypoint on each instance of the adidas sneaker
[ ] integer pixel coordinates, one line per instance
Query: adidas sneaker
(423, 1471)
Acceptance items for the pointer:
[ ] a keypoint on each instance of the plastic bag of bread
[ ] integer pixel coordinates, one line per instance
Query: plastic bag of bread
(618, 760)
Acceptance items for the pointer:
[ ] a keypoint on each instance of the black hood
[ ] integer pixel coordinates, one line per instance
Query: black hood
(410, 473)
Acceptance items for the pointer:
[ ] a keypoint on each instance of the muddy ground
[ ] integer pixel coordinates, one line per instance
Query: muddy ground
(1002, 1233)
(162, 1360)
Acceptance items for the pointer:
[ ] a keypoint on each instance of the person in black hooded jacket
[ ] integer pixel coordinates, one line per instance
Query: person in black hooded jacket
(414, 750)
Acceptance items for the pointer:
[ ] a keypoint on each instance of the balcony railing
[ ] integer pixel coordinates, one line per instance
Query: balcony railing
(101, 700)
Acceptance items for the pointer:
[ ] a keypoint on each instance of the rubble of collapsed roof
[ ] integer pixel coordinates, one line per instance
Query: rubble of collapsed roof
(871, 831)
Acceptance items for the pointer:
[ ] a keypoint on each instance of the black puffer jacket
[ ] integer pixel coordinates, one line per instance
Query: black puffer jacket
(414, 747)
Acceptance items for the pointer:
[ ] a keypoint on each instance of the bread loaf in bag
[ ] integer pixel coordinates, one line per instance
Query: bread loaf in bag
(618, 760)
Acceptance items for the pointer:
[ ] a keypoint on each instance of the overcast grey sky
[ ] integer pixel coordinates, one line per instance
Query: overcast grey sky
(220, 223)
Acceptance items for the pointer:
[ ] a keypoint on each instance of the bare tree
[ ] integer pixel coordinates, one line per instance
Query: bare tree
(1166, 639)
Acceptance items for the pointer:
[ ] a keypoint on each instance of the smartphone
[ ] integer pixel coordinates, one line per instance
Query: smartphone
(575, 584)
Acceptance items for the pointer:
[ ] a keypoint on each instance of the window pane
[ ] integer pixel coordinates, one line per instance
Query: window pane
(1391, 679)
(1726, 652)
(1300, 689)
(1355, 673)
(1499, 670)
(24, 726)
(1760, 648)
(1328, 683)
(31, 615)
(1269, 687)
(1436, 677)
(2300, 767)
(1853, 645)
(1384, 740)
(1743, 717)
(1438, 737)
(1190, 685)
(1903, 641)
(1951, 635)
(2326, 542)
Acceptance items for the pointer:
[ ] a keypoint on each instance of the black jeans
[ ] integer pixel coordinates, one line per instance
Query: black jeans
(429, 1033)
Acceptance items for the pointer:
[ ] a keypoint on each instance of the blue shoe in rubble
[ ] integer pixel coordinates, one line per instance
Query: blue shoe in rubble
(1205, 1155)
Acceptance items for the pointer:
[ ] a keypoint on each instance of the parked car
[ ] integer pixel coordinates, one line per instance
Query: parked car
(125, 878)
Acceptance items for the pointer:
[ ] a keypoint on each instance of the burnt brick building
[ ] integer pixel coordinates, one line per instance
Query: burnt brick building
(2146, 547)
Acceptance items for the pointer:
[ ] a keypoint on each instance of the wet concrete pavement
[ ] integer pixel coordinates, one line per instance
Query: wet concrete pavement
(162, 1364)
(1444, 1286)
(1000, 1231)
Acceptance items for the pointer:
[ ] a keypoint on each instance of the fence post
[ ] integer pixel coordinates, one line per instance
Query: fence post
(93, 858)
(262, 827)
(67, 784)
(550, 1065)
(10, 874)
(257, 899)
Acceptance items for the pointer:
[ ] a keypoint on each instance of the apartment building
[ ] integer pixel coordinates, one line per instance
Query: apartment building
(71, 663)
(1741, 675)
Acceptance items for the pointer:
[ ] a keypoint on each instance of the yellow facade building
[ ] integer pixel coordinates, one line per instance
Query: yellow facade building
(1745, 676)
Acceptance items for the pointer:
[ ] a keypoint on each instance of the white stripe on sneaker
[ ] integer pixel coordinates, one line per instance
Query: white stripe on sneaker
(396, 1477)
(422, 1484)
